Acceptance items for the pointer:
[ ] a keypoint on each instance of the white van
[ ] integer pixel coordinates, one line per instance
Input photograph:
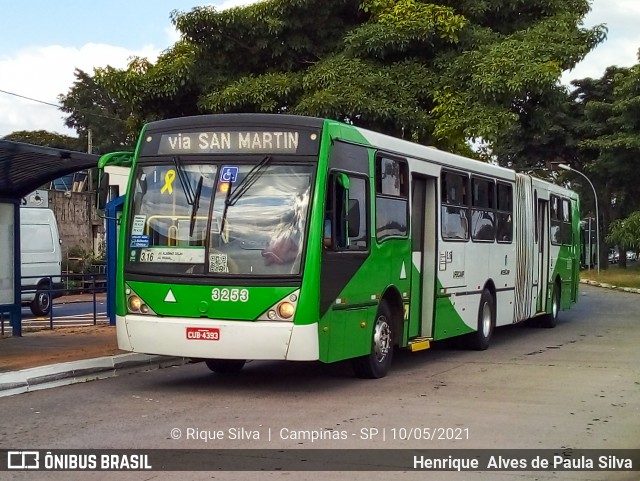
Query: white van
(41, 259)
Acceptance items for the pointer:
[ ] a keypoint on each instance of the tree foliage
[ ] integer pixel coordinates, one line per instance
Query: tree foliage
(625, 233)
(594, 128)
(93, 108)
(614, 140)
(440, 72)
(46, 139)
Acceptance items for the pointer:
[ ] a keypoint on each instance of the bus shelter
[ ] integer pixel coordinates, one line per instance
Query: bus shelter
(23, 169)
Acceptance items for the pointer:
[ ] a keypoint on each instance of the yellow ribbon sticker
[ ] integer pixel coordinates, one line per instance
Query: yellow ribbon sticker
(169, 177)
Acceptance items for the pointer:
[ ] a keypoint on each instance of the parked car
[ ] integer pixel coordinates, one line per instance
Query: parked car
(614, 257)
(632, 256)
(41, 259)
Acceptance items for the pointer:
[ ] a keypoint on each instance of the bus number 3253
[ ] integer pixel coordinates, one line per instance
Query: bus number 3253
(230, 295)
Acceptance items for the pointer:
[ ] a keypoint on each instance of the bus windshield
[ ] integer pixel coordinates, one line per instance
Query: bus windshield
(259, 232)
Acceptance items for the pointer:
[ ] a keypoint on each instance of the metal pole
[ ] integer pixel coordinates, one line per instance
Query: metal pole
(590, 255)
(595, 198)
(90, 150)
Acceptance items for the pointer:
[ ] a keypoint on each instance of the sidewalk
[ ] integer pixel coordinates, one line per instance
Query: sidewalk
(51, 346)
(49, 358)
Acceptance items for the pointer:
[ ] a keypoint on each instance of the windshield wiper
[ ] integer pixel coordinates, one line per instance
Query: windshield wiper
(195, 206)
(245, 184)
(193, 198)
(184, 180)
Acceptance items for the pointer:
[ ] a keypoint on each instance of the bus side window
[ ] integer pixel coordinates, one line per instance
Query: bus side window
(567, 234)
(556, 220)
(392, 198)
(455, 210)
(345, 217)
(483, 217)
(504, 213)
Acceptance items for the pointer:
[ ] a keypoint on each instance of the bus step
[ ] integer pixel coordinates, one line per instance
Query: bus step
(419, 344)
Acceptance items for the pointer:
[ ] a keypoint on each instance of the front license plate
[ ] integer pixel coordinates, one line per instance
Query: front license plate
(203, 333)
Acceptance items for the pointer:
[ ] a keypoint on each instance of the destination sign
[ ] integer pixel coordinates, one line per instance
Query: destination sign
(264, 142)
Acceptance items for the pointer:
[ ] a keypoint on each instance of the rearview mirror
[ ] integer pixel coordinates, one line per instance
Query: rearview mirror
(103, 191)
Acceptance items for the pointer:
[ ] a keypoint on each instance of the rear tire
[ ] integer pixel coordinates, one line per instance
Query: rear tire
(551, 320)
(225, 366)
(41, 304)
(479, 340)
(376, 364)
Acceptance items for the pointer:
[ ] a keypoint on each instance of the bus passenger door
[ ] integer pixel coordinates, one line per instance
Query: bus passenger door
(542, 231)
(423, 256)
(347, 281)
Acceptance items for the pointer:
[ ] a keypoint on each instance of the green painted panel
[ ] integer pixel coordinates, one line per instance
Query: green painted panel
(344, 334)
(215, 301)
(567, 270)
(448, 322)
(341, 336)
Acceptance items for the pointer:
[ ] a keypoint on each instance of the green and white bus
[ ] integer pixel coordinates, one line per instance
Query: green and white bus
(280, 237)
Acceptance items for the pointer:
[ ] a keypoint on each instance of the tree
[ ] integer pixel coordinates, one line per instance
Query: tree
(616, 142)
(46, 139)
(94, 109)
(625, 233)
(439, 72)
(611, 142)
(594, 128)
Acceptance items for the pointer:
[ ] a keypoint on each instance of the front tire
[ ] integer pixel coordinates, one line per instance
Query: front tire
(479, 340)
(377, 363)
(225, 366)
(41, 304)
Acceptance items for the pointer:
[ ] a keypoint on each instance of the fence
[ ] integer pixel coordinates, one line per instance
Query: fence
(74, 287)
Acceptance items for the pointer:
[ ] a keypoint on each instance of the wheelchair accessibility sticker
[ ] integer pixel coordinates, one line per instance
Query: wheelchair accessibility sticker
(229, 174)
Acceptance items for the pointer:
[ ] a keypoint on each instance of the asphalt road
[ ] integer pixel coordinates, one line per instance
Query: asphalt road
(575, 386)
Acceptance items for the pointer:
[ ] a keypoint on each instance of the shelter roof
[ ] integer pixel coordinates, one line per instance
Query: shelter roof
(25, 167)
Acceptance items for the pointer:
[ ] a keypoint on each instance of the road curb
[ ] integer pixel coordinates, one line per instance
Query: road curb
(62, 374)
(610, 286)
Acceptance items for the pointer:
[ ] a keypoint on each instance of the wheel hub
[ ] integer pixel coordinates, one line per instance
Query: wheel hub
(486, 320)
(382, 339)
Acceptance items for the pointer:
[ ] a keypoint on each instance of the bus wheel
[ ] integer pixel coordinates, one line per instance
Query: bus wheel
(376, 364)
(479, 340)
(225, 366)
(41, 304)
(551, 320)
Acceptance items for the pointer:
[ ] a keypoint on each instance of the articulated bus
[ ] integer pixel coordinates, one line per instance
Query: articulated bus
(280, 237)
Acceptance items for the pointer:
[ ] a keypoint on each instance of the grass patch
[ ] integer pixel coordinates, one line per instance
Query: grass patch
(629, 277)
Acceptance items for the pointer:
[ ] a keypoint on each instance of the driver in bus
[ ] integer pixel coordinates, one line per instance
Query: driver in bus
(285, 245)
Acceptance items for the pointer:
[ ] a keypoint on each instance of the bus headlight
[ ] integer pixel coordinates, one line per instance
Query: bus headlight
(135, 303)
(283, 310)
(286, 310)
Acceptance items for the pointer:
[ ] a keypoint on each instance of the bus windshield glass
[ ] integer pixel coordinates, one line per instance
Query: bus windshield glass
(257, 230)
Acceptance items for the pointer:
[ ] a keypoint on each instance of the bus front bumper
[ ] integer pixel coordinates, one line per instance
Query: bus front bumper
(257, 340)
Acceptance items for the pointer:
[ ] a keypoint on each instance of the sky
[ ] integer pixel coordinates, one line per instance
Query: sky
(42, 42)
